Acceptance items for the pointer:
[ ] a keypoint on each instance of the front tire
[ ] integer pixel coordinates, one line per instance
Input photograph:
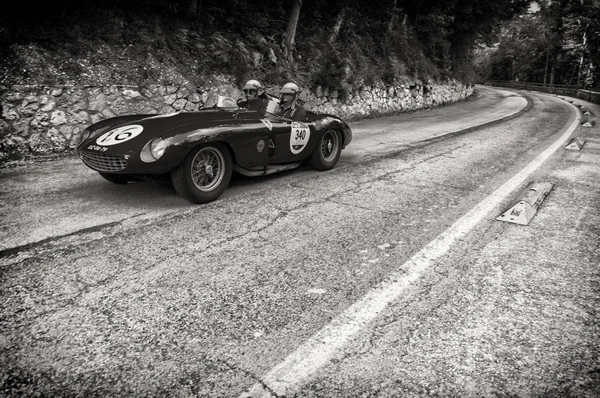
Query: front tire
(204, 174)
(328, 150)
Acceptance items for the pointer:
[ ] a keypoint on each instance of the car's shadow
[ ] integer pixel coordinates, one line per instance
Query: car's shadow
(162, 194)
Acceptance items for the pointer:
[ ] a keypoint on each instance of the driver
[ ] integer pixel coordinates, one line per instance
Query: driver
(289, 102)
(254, 93)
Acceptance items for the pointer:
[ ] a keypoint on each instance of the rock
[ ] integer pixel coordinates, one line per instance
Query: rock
(56, 140)
(15, 97)
(78, 118)
(166, 109)
(67, 132)
(190, 106)
(195, 98)
(9, 113)
(41, 121)
(96, 117)
(58, 117)
(179, 104)
(129, 93)
(110, 90)
(319, 92)
(97, 102)
(48, 106)
(29, 108)
(256, 58)
(39, 144)
(77, 103)
(140, 107)
(107, 112)
(183, 93)
(162, 91)
(170, 99)
(120, 107)
(74, 141)
(21, 126)
(12, 145)
(271, 57)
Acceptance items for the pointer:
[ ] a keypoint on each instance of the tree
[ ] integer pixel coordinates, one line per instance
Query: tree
(290, 31)
(474, 21)
(194, 9)
(335, 31)
(557, 45)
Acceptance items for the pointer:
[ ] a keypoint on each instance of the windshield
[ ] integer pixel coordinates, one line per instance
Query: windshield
(226, 102)
(268, 106)
(273, 107)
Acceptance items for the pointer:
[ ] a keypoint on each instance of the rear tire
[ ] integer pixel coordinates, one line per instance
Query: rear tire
(119, 179)
(204, 174)
(328, 150)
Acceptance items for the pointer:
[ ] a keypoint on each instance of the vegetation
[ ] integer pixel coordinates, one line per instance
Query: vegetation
(315, 42)
(558, 44)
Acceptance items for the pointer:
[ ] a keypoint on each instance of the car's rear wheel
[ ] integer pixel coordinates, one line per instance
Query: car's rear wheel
(204, 174)
(118, 178)
(328, 150)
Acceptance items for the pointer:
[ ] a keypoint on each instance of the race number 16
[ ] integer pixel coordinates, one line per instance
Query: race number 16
(119, 135)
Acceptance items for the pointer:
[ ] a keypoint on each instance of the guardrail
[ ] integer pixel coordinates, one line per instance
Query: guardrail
(559, 89)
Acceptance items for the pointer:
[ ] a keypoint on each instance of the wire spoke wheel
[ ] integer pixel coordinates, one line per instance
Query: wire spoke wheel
(328, 150)
(204, 174)
(207, 169)
(330, 146)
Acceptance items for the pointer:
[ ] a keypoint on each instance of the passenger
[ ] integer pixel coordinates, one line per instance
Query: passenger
(254, 94)
(289, 102)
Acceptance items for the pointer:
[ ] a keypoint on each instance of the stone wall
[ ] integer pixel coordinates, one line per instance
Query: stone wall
(38, 120)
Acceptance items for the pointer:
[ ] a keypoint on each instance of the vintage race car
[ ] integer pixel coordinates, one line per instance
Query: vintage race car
(199, 150)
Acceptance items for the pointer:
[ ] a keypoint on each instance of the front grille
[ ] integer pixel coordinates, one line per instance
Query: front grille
(101, 162)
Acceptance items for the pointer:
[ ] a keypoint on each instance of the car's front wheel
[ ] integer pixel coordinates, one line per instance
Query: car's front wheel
(118, 178)
(328, 150)
(204, 174)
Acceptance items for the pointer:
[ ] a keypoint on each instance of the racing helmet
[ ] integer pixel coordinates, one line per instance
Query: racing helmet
(290, 88)
(253, 85)
(288, 94)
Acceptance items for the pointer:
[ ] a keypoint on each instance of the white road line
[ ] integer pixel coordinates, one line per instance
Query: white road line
(300, 365)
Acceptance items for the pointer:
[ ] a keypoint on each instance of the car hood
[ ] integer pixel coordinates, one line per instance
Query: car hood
(148, 127)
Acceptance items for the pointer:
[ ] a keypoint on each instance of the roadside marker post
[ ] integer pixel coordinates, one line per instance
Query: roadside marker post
(575, 144)
(522, 212)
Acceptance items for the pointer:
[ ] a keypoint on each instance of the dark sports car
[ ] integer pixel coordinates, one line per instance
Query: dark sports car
(199, 150)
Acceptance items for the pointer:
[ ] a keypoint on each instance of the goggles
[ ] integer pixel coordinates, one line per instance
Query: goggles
(250, 91)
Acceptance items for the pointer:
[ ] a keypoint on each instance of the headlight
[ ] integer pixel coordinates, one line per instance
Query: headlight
(157, 148)
(153, 150)
(85, 134)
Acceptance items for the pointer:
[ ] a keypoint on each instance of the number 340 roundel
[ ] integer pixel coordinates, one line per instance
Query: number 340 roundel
(119, 135)
(299, 137)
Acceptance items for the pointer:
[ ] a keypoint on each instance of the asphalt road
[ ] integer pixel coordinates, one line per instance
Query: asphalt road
(132, 291)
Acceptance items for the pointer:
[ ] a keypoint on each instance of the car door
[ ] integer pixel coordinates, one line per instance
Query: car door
(289, 141)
